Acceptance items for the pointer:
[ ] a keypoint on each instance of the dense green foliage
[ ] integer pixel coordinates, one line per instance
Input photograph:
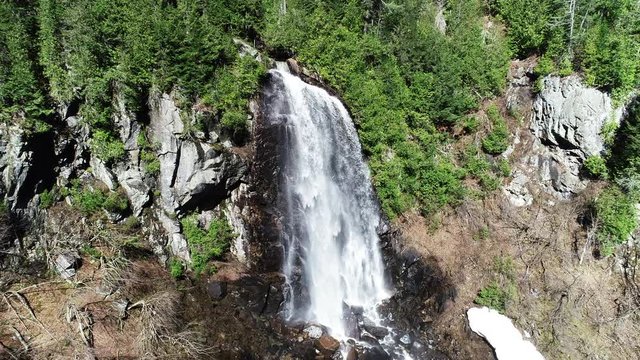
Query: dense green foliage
(404, 80)
(409, 84)
(96, 50)
(176, 268)
(206, 244)
(599, 37)
(502, 289)
(615, 215)
(496, 141)
(596, 167)
(616, 218)
(92, 200)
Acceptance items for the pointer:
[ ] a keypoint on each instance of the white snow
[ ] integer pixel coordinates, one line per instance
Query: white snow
(503, 336)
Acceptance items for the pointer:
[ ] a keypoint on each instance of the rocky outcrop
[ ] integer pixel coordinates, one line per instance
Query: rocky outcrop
(567, 121)
(193, 174)
(15, 161)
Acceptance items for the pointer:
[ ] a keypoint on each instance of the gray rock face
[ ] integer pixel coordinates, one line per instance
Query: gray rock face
(103, 173)
(66, 264)
(570, 116)
(567, 121)
(236, 212)
(192, 173)
(135, 187)
(15, 161)
(517, 191)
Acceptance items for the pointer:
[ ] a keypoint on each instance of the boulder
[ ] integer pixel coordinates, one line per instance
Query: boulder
(103, 173)
(377, 331)
(193, 174)
(217, 290)
(137, 190)
(327, 345)
(567, 121)
(313, 332)
(66, 264)
(517, 192)
(352, 354)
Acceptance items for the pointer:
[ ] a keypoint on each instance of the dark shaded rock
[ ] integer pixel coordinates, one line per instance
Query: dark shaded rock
(217, 290)
(378, 331)
(352, 354)
(375, 353)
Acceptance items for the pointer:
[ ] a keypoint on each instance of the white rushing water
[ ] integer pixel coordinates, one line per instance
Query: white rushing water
(331, 214)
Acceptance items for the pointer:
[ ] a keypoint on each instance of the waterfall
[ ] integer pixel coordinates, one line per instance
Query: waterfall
(332, 259)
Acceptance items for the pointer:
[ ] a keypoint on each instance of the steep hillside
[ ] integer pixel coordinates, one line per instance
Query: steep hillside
(140, 184)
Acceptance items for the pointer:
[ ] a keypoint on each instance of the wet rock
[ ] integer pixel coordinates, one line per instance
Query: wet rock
(352, 354)
(327, 345)
(313, 332)
(294, 67)
(66, 264)
(405, 340)
(217, 290)
(377, 331)
(375, 353)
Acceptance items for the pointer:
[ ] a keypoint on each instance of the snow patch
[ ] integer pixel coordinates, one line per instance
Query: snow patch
(503, 336)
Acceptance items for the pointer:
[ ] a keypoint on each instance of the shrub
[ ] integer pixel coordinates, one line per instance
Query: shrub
(116, 202)
(616, 219)
(176, 268)
(504, 168)
(92, 252)
(90, 201)
(47, 198)
(206, 244)
(107, 147)
(488, 182)
(493, 296)
(596, 167)
(470, 124)
(496, 141)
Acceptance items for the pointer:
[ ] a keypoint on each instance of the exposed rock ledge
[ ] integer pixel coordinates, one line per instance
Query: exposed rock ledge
(567, 120)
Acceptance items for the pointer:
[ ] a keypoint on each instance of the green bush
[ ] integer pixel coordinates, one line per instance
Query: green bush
(494, 297)
(504, 169)
(176, 268)
(91, 251)
(107, 147)
(91, 201)
(48, 198)
(206, 244)
(616, 218)
(496, 142)
(116, 202)
(596, 167)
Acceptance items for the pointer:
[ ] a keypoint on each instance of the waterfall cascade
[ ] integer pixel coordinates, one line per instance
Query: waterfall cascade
(332, 259)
